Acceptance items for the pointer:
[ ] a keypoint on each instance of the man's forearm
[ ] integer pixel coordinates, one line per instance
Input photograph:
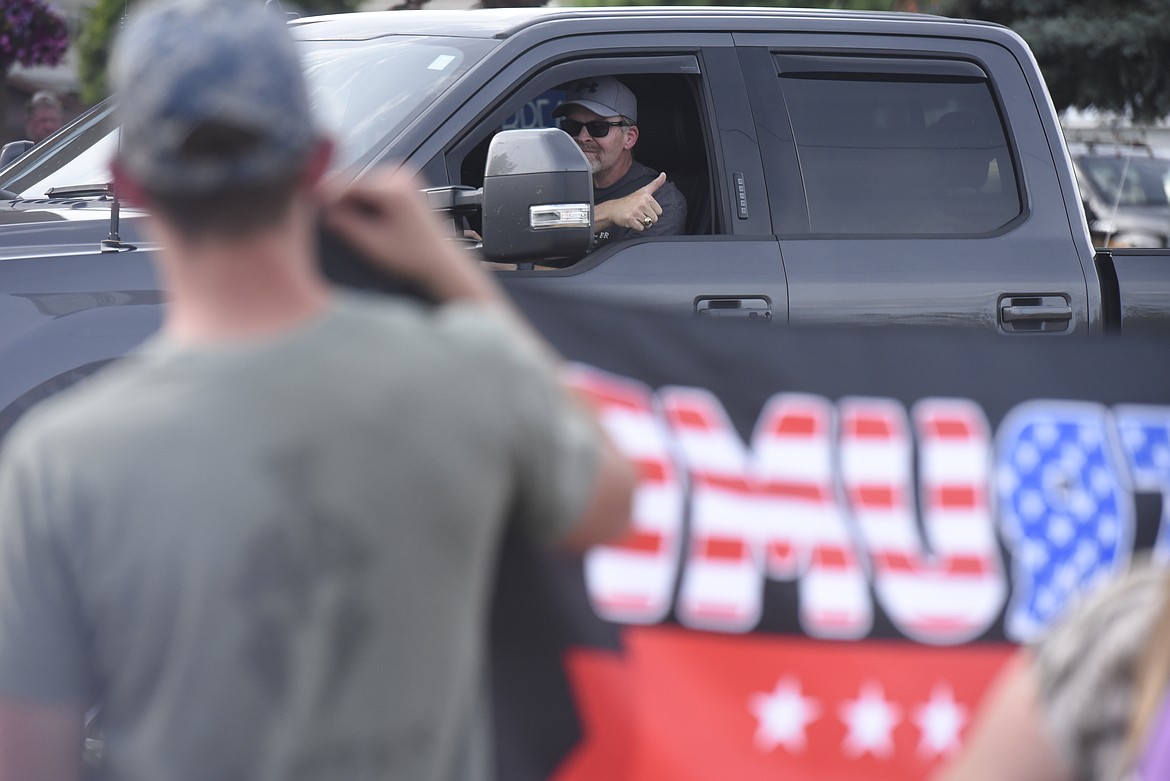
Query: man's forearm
(603, 216)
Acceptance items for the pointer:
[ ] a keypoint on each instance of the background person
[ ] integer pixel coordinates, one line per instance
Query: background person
(1152, 747)
(44, 116)
(265, 542)
(630, 199)
(1078, 704)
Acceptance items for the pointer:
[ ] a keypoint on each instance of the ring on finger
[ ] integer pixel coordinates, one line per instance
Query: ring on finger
(647, 221)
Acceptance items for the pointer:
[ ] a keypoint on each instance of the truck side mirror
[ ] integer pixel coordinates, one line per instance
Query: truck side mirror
(13, 150)
(537, 198)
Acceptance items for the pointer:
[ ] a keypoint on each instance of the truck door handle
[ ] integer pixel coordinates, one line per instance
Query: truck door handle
(752, 307)
(1035, 313)
(1015, 314)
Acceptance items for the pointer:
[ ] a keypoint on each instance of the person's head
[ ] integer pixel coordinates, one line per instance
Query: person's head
(45, 115)
(217, 134)
(601, 115)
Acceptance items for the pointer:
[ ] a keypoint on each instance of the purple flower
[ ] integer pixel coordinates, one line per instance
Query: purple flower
(31, 33)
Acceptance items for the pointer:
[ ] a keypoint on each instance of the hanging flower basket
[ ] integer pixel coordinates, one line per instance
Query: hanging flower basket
(31, 33)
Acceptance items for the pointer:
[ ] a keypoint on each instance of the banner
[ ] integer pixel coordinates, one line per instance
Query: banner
(839, 537)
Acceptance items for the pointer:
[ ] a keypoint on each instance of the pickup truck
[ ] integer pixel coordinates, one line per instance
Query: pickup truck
(844, 168)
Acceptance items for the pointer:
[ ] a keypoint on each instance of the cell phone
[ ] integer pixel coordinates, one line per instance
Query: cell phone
(344, 265)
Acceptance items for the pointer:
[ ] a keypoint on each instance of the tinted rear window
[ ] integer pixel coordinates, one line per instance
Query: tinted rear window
(899, 150)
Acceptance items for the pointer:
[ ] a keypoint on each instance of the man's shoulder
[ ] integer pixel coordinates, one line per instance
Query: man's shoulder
(669, 195)
(82, 414)
(381, 317)
(640, 174)
(452, 336)
(636, 176)
(644, 172)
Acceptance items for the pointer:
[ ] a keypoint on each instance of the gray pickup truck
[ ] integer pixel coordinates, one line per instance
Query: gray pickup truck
(839, 168)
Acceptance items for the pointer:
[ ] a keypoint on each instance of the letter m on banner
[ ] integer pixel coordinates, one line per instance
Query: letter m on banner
(771, 511)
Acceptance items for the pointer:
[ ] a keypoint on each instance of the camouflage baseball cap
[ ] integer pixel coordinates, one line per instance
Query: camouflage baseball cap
(211, 97)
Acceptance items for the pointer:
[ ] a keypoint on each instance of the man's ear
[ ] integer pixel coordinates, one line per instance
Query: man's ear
(125, 186)
(631, 137)
(318, 163)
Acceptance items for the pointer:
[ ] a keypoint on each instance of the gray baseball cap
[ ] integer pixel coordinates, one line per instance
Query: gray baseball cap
(605, 96)
(211, 97)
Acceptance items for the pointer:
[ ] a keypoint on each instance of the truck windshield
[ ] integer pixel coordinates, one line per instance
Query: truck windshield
(363, 92)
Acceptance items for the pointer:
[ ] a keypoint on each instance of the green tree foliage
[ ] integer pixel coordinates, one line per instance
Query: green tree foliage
(93, 46)
(1109, 54)
(103, 20)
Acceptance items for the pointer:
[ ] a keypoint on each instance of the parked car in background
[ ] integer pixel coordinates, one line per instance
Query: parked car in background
(1125, 188)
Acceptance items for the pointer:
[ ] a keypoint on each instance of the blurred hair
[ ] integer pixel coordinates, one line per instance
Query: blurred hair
(226, 211)
(44, 98)
(1152, 682)
(234, 213)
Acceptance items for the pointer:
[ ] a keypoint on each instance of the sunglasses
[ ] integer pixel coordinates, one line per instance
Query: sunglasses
(598, 128)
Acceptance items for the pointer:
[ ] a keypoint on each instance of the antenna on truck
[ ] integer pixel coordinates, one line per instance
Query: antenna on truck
(274, 5)
(113, 240)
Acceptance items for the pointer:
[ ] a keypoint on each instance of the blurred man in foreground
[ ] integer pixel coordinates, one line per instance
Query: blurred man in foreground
(265, 541)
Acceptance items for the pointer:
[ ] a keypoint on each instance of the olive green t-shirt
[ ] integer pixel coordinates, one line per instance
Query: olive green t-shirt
(272, 559)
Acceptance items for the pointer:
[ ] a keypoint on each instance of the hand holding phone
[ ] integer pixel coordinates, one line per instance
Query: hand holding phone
(344, 265)
(385, 221)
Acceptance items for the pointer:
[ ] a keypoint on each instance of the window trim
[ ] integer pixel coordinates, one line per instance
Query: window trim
(557, 73)
(885, 66)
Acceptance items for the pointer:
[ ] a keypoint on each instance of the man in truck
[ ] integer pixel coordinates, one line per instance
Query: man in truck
(630, 199)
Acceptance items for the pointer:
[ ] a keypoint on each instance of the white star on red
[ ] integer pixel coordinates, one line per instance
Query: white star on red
(871, 719)
(940, 720)
(783, 714)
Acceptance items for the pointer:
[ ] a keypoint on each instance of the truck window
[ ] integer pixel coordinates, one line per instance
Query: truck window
(672, 137)
(899, 150)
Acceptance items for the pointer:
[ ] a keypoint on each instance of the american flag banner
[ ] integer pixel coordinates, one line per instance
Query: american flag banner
(766, 707)
(838, 540)
(1066, 505)
(632, 581)
(1145, 441)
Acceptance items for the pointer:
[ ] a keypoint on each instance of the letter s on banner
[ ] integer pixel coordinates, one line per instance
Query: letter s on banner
(1066, 508)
